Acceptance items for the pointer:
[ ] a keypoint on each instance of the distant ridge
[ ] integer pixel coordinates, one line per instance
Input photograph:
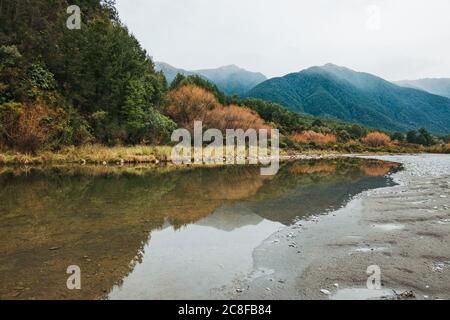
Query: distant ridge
(230, 79)
(439, 86)
(342, 93)
(170, 72)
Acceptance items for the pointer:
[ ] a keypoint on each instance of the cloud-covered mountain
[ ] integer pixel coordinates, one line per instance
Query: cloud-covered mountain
(170, 72)
(352, 96)
(439, 86)
(229, 79)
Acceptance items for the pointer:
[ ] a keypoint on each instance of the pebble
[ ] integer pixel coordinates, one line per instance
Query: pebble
(325, 291)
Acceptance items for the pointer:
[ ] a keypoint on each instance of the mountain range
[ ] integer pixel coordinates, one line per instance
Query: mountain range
(439, 86)
(342, 93)
(230, 79)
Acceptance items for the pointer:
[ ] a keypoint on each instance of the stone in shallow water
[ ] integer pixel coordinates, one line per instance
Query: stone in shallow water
(325, 291)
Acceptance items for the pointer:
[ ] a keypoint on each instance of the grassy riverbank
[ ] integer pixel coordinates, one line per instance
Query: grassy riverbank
(95, 154)
(99, 154)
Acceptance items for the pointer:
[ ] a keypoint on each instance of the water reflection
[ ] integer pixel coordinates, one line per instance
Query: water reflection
(136, 232)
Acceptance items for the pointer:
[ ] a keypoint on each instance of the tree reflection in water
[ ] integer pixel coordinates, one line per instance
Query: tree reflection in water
(101, 218)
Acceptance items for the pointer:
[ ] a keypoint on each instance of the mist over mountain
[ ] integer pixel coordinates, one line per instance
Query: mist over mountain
(170, 72)
(231, 79)
(342, 93)
(439, 86)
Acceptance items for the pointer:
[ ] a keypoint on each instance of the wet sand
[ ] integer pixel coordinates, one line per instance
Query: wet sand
(404, 229)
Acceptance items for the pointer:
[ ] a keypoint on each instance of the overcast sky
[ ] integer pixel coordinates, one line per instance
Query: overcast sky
(395, 39)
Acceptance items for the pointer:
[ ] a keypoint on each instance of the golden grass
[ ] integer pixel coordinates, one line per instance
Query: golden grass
(99, 154)
(92, 154)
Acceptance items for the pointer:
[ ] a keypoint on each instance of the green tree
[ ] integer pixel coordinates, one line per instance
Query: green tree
(143, 122)
(446, 138)
(343, 136)
(357, 131)
(12, 74)
(317, 123)
(398, 136)
(411, 136)
(425, 138)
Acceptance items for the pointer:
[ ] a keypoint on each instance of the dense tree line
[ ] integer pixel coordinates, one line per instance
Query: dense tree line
(92, 84)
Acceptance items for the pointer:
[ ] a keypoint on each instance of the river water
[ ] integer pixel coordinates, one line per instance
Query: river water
(157, 232)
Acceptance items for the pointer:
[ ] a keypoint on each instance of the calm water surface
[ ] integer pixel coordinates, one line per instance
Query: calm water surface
(156, 232)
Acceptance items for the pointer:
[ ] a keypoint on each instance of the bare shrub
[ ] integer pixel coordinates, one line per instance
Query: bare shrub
(312, 136)
(25, 127)
(377, 139)
(234, 117)
(190, 103)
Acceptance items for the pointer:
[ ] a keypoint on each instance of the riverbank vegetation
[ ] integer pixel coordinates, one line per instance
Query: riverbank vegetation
(93, 95)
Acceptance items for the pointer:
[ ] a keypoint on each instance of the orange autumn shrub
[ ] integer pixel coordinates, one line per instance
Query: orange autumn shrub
(26, 128)
(190, 103)
(377, 139)
(312, 136)
(234, 117)
(438, 148)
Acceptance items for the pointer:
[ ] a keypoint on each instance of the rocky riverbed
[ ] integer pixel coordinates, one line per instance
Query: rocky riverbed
(404, 230)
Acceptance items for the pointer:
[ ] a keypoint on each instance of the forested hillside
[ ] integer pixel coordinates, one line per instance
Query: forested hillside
(348, 95)
(61, 86)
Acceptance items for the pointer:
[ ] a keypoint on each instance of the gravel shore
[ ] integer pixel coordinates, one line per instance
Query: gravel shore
(405, 230)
